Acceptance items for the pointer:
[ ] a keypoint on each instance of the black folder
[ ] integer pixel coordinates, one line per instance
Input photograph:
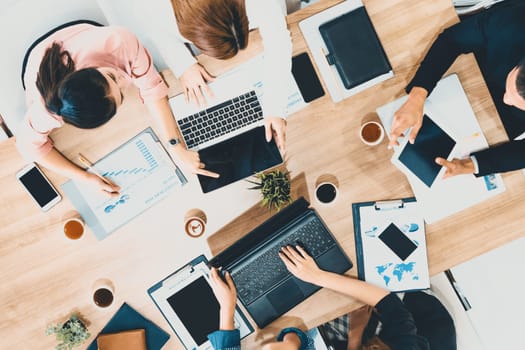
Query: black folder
(354, 48)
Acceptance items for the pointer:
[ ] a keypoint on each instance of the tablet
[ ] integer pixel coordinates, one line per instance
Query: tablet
(186, 300)
(431, 142)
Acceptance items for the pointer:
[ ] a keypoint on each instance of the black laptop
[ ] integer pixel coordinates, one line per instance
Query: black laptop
(264, 285)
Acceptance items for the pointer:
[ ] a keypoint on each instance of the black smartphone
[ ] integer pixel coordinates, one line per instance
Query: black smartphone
(304, 74)
(397, 241)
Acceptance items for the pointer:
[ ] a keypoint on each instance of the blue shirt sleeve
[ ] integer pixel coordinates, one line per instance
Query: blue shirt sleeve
(225, 340)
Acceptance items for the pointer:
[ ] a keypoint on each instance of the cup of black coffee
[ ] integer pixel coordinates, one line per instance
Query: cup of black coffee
(103, 293)
(326, 192)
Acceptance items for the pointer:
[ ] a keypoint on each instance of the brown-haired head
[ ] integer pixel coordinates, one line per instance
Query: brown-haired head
(218, 28)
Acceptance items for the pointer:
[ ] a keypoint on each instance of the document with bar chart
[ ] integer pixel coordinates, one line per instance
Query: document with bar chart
(145, 173)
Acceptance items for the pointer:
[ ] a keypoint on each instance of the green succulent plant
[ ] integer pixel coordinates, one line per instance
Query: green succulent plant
(275, 189)
(70, 334)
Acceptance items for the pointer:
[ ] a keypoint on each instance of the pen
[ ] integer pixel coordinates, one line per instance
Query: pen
(89, 166)
(335, 78)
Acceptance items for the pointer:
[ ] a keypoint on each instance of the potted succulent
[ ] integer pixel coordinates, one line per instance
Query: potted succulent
(275, 189)
(70, 334)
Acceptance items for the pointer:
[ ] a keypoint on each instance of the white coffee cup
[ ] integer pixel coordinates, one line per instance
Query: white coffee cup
(371, 133)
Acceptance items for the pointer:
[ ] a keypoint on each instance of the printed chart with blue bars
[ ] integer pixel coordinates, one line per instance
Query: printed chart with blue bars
(145, 173)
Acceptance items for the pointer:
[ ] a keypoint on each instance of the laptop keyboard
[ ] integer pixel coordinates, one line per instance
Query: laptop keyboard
(262, 273)
(221, 119)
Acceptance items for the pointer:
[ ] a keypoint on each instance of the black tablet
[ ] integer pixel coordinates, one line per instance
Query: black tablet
(431, 142)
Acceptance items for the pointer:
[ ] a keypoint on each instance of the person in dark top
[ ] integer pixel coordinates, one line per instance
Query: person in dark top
(495, 36)
(418, 323)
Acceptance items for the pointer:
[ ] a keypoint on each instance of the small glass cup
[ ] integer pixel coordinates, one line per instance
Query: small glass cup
(72, 225)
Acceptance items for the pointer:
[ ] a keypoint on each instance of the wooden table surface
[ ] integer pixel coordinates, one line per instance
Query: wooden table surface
(46, 276)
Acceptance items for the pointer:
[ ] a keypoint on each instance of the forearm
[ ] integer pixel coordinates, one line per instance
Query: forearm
(461, 38)
(226, 321)
(164, 120)
(501, 158)
(362, 291)
(56, 162)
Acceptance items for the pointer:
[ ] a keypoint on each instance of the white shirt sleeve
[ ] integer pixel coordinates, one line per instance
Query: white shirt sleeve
(269, 18)
(164, 32)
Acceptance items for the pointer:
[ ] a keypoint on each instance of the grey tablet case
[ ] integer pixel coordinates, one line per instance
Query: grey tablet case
(354, 48)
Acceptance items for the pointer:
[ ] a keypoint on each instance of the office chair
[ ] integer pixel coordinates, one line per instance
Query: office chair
(469, 7)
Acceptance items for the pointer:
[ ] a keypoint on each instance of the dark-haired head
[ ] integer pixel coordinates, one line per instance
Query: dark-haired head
(515, 86)
(82, 98)
(520, 79)
(219, 28)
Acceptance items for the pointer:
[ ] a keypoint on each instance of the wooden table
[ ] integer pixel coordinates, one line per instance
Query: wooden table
(46, 277)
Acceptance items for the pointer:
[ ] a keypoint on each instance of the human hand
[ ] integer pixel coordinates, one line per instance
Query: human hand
(194, 81)
(276, 127)
(300, 264)
(97, 184)
(410, 114)
(226, 295)
(456, 166)
(191, 160)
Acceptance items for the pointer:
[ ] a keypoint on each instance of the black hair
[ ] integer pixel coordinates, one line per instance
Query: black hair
(520, 79)
(85, 99)
(80, 97)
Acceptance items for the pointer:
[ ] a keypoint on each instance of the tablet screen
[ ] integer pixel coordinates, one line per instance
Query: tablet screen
(397, 241)
(197, 308)
(431, 142)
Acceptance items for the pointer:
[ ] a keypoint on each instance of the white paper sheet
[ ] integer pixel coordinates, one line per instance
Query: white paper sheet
(145, 173)
(382, 266)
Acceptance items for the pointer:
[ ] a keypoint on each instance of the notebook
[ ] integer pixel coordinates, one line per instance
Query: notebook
(125, 319)
(274, 291)
(354, 48)
(129, 340)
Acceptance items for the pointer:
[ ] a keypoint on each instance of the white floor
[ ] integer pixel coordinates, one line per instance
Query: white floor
(493, 284)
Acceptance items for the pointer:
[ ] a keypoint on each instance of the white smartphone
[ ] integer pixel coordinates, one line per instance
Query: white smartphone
(38, 186)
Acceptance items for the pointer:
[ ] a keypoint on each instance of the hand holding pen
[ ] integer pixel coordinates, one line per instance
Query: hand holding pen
(96, 179)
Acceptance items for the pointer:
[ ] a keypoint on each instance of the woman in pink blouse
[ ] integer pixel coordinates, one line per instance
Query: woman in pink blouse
(74, 75)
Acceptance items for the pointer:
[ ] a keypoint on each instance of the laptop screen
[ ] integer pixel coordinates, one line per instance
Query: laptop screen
(237, 158)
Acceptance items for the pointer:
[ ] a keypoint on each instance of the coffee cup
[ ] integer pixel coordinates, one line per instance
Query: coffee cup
(326, 192)
(195, 223)
(371, 133)
(103, 293)
(73, 226)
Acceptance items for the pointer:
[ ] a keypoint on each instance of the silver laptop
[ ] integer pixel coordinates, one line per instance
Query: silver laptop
(229, 132)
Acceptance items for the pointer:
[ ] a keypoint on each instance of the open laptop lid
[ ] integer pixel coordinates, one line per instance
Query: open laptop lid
(237, 158)
(261, 233)
(187, 302)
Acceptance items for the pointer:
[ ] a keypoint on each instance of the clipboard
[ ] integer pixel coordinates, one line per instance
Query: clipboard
(187, 302)
(144, 170)
(391, 244)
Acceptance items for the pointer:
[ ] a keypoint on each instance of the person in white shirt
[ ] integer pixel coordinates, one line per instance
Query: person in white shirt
(219, 28)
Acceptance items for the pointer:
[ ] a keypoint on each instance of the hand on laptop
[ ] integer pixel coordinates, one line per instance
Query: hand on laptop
(226, 295)
(194, 82)
(456, 166)
(410, 114)
(191, 160)
(276, 127)
(300, 264)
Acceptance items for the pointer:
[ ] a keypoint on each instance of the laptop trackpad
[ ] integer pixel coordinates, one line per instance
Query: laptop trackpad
(285, 296)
